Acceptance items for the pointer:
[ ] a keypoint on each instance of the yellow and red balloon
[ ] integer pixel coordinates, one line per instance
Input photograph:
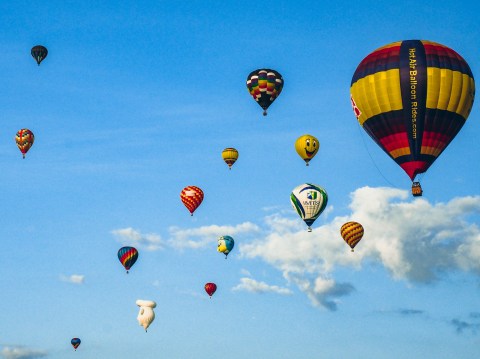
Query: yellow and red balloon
(191, 197)
(230, 156)
(352, 233)
(24, 139)
(413, 97)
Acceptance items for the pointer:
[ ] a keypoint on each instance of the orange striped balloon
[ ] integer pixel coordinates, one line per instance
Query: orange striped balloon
(352, 233)
(191, 197)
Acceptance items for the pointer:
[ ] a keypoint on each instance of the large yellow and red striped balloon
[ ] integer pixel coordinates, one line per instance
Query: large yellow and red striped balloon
(352, 233)
(191, 197)
(413, 97)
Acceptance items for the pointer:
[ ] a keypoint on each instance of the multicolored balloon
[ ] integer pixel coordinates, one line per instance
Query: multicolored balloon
(39, 53)
(309, 201)
(127, 256)
(265, 85)
(210, 288)
(191, 197)
(230, 156)
(413, 97)
(24, 139)
(225, 245)
(75, 343)
(307, 147)
(352, 233)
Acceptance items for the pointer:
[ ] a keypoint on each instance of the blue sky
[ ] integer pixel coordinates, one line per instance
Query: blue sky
(136, 101)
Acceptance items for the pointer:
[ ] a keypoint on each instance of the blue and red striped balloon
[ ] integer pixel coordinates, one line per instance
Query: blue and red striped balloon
(127, 256)
(75, 343)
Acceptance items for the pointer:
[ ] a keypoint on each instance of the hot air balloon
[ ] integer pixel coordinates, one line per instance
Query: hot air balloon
(352, 233)
(39, 53)
(413, 97)
(307, 147)
(309, 201)
(146, 315)
(265, 85)
(191, 197)
(230, 156)
(75, 343)
(210, 288)
(127, 256)
(225, 245)
(24, 139)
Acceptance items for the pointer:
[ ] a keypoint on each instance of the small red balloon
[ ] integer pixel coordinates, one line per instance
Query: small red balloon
(210, 288)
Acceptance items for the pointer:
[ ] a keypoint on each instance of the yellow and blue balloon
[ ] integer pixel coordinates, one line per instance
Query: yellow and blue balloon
(225, 245)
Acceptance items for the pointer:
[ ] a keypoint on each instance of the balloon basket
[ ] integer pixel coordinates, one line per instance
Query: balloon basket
(416, 189)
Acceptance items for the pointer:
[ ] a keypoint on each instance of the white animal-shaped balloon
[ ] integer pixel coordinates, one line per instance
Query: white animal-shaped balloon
(146, 314)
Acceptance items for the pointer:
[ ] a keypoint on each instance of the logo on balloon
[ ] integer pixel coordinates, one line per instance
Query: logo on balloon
(356, 110)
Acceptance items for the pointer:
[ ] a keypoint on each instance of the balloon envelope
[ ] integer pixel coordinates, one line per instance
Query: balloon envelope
(225, 245)
(230, 156)
(412, 97)
(191, 197)
(210, 288)
(265, 85)
(127, 256)
(352, 233)
(24, 139)
(39, 53)
(75, 343)
(146, 315)
(307, 147)
(309, 201)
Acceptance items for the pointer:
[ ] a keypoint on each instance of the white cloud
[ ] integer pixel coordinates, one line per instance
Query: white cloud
(19, 352)
(74, 278)
(413, 239)
(201, 237)
(132, 237)
(251, 285)
(245, 272)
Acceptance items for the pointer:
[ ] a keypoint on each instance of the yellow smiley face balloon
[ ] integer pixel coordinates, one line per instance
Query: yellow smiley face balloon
(307, 147)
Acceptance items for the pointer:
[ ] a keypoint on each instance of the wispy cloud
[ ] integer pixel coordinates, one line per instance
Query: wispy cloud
(253, 286)
(133, 237)
(74, 278)
(410, 312)
(21, 352)
(204, 236)
(462, 326)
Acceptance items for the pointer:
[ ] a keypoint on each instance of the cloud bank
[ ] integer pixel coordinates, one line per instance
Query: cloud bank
(413, 239)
